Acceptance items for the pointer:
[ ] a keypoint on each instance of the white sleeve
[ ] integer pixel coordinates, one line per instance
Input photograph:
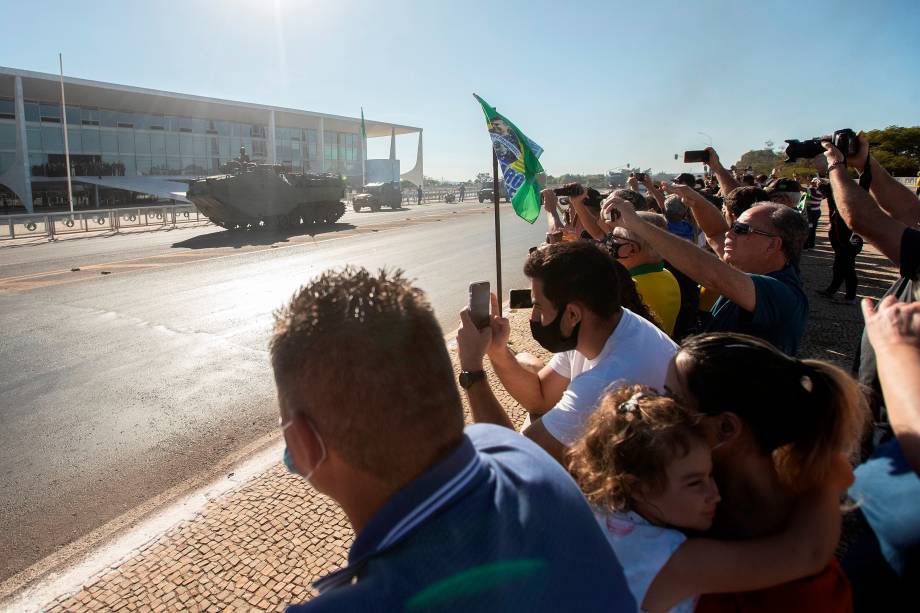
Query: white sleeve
(566, 420)
(643, 550)
(562, 364)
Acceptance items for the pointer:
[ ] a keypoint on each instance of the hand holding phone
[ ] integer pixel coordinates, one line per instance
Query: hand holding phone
(479, 303)
(692, 157)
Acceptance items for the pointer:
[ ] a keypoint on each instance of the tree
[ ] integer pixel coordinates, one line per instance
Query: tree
(897, 149)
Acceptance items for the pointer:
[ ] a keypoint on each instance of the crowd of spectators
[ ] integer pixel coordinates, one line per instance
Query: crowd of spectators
(668, 463)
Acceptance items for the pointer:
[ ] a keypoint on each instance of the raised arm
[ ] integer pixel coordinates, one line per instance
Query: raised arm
(860, 211)
(893, 197)
(803, 548)
(894, 330)
(704, 268)
(655, 192)
(707, 217)
(537, 393)
(588, 219)
(726, 181)
(551, 204)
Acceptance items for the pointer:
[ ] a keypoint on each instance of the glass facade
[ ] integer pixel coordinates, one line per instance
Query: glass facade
(113, 143)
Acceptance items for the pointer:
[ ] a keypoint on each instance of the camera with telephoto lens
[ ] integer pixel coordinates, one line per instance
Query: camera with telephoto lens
(845, 140)
(570, 189)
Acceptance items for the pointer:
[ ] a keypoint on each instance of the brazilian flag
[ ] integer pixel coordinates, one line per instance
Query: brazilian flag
(518, 158)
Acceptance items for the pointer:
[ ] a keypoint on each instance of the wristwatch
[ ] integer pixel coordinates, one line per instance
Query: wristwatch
(467, 378)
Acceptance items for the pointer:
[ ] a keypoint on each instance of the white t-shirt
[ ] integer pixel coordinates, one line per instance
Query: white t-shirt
(642, 549)
(637, 353)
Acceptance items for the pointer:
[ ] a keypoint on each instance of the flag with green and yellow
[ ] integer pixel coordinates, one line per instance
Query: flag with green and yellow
(518, 158)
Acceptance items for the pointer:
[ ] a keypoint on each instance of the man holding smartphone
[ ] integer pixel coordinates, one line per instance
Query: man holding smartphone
(577, 316)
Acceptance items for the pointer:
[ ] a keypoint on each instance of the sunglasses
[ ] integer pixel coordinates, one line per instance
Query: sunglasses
(741, 228)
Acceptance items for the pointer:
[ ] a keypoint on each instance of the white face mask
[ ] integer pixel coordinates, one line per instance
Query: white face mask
(289, 462)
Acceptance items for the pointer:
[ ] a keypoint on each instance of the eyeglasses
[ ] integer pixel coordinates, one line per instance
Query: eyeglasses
(740, 228)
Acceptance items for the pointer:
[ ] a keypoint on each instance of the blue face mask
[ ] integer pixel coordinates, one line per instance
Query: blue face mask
(288, 462)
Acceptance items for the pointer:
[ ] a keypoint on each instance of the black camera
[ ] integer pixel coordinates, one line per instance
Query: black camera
(845, 140)
(570, 189)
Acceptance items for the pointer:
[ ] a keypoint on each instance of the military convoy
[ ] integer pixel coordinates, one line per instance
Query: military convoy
(375, 195)
(262, 196)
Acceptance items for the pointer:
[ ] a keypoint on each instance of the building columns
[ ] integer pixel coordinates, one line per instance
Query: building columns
(18, 178)
(272, 149)
(322, 145)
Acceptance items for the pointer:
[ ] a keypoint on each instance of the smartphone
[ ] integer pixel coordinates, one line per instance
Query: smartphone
(520, 299)
(691, 157)
(480, 303)
(640, 176)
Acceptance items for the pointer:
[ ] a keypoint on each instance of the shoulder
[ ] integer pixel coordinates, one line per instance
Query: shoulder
(634, 333)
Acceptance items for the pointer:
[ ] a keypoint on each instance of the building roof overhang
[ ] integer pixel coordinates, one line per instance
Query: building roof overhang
(45, 87)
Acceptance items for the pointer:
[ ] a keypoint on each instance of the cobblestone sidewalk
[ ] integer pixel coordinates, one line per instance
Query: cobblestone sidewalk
(260, 546)
(255, 548)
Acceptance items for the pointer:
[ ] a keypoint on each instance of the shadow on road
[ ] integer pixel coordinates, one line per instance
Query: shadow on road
(247, 238)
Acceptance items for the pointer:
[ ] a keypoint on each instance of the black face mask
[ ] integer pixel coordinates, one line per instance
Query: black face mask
(550, 336)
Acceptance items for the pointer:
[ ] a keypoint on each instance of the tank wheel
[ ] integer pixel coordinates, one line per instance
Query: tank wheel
(356, 207)
(336, 211)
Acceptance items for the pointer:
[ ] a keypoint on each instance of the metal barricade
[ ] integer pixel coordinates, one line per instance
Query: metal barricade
(51, 225)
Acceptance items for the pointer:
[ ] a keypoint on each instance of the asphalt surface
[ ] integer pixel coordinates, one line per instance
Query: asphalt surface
(142, 369)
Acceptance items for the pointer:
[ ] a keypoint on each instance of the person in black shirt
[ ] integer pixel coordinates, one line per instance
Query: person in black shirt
(846, 247)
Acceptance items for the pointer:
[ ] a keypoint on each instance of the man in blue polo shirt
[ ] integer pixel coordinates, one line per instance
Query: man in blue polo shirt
(446, 518)
(755, 266)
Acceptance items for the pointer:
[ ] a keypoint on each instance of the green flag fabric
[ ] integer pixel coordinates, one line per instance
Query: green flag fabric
(518, 158)
(363, 128)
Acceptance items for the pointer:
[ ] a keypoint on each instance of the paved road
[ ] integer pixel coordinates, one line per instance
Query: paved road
(118, 386)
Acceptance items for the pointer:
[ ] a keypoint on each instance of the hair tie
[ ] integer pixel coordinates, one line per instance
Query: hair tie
(631, 405)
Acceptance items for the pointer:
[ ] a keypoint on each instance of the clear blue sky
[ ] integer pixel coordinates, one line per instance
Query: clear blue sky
(597, 84)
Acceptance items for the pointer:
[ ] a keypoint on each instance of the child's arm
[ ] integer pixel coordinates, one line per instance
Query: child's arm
(803, 548)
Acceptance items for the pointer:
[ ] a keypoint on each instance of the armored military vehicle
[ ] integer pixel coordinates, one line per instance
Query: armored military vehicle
(262, 196)
(375, 195)
(487, 192)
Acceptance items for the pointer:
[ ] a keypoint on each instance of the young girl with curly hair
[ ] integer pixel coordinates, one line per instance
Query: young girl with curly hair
(645, 463)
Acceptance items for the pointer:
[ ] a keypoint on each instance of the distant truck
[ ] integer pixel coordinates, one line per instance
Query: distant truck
(487, 192)
(375, 195)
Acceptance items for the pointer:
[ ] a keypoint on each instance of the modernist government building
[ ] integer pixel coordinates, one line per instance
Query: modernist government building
(125, 140)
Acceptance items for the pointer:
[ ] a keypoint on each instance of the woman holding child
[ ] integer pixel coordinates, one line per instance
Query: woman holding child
(750, 447)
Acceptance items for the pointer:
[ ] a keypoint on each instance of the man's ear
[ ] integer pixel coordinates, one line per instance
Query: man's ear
(574, 313)
(728, 428)
(308, 449)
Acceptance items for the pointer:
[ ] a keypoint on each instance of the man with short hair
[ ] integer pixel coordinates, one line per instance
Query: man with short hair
(741, 199)
(655, 284)
(785, 191)
(755, 266)
(446, 517)
(578, 317)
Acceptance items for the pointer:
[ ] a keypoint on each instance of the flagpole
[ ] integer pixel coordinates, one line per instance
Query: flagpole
(498, 232)
(66, 145)
(363, 151)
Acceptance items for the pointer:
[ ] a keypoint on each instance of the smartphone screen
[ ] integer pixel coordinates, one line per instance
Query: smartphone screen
(520, 299)
(480, 303)
(692, 157)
